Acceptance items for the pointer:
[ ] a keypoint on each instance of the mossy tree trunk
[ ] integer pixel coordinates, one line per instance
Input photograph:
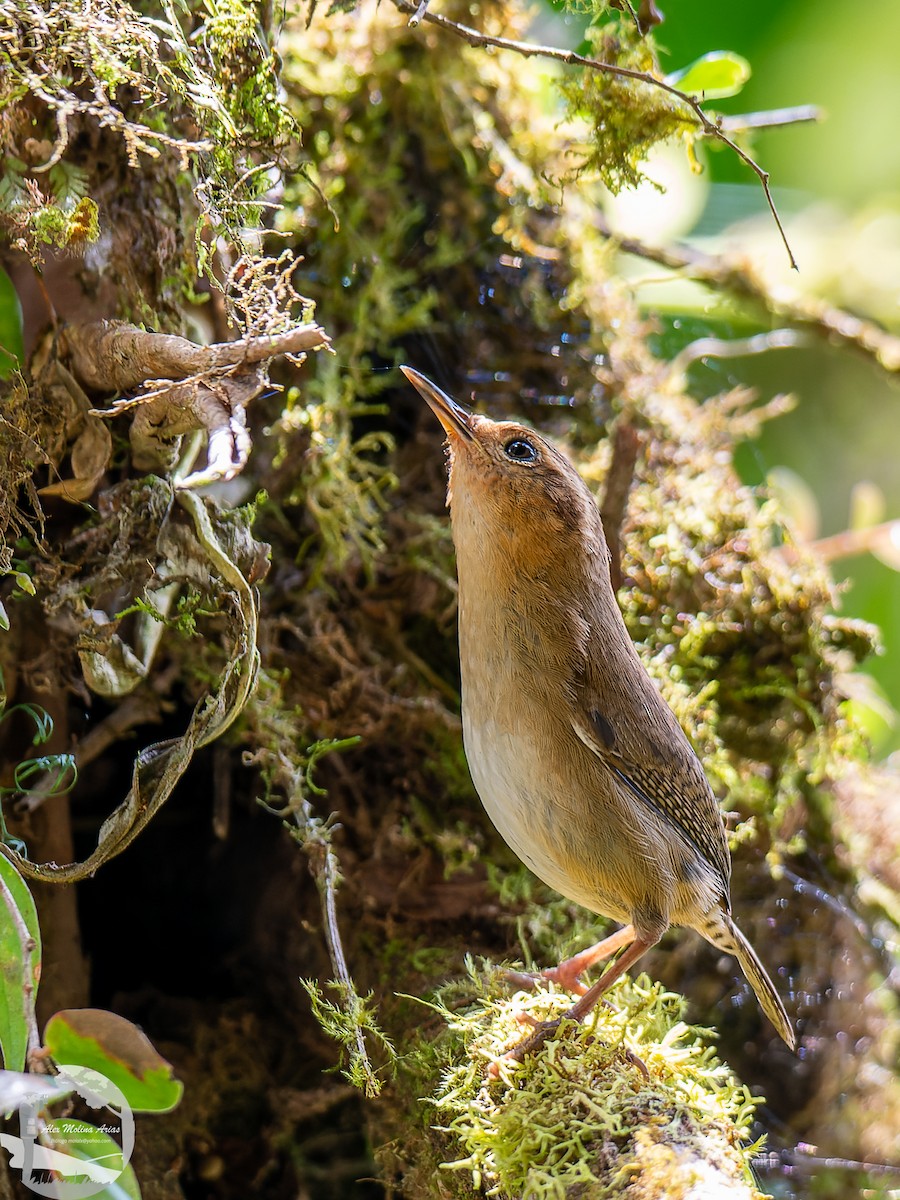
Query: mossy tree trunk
(263, 675)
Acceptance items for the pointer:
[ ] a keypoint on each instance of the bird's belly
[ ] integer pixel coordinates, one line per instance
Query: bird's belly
(535, 811)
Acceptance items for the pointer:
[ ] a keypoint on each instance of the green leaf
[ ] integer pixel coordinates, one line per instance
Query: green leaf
(107, 1043)
(716, 75)
(79, 1140)
(18, 917)
(12, 350)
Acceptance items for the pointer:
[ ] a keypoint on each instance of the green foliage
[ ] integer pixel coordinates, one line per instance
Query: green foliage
(117, 1049)
(11, 349)
(20, 965)
(54, 212)
(714, 76)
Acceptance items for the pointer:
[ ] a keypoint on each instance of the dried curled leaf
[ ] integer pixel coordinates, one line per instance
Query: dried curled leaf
(212, 546)
(183, 387)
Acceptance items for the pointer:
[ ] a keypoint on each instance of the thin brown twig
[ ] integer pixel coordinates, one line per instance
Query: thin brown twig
(710, 128)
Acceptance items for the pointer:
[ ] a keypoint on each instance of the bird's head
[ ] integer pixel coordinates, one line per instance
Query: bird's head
(509, 483)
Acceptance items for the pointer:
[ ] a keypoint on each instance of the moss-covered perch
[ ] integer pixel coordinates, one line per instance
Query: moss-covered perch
(631, 1104)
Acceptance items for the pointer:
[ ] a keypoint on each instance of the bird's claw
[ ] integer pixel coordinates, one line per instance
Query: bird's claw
(568, 980)
(566, 976)
(541, 1031)
(635, 1061)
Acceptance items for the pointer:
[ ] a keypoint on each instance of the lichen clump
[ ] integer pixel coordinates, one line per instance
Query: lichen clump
(598, 1106)
(627, 119)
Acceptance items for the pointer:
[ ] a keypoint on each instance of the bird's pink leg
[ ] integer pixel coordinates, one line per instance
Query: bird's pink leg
(584, 1004)
(568, 972)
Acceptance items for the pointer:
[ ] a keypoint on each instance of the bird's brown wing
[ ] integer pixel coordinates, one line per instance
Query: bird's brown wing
(665, 774)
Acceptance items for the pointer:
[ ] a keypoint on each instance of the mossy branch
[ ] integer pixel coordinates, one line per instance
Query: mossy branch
(727, 275)
(291, 773)
(707, 125)
(583, 1117)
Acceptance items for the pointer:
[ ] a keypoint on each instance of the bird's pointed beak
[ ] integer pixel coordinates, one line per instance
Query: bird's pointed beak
(454, 418)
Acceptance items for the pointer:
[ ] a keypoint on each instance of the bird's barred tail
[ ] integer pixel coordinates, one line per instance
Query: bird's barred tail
(726, 936)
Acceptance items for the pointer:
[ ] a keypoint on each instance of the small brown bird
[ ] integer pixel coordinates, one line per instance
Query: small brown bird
(578, 760)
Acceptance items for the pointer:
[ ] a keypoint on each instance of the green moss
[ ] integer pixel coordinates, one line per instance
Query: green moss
(348, 1021)
(344, 482)
(580, 1117)
(627, 118)
(139, 81)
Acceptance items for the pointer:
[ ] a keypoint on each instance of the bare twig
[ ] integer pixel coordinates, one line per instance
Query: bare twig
(710, 128)
(418, 14)
(773, 118)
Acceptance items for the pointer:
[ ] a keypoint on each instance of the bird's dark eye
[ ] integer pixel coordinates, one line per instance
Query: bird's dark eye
(521, 450)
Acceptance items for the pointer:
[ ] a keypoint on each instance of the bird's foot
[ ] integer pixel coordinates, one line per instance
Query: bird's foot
(568, 973)
(540, 1031)
(531, 979)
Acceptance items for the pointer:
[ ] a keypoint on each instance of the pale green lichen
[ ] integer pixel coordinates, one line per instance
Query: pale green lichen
(580, 1117)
